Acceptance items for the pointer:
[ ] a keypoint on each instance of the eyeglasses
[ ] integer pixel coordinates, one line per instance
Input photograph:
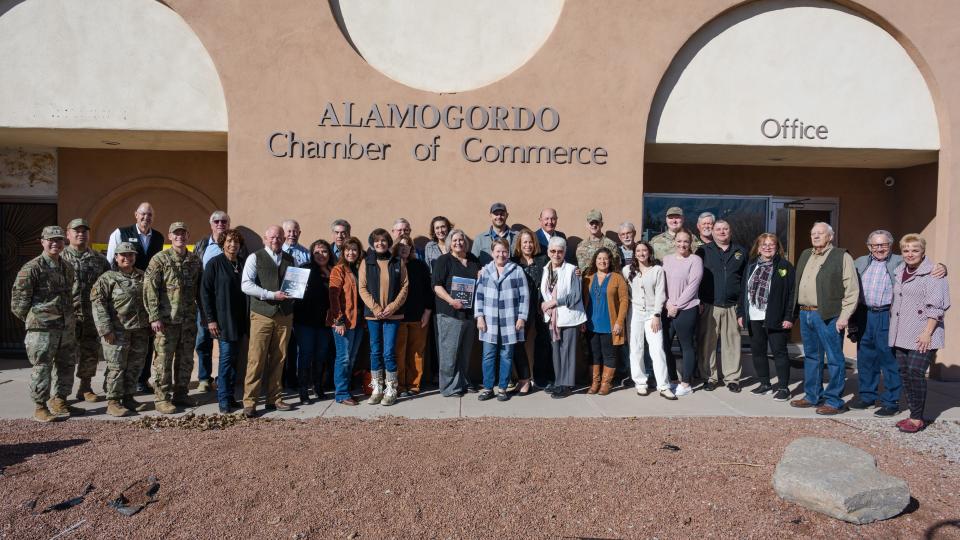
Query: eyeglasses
(878, 246)
(224, 221)
(555, 251)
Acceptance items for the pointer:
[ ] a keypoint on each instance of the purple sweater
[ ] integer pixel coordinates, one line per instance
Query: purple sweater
(683, 280)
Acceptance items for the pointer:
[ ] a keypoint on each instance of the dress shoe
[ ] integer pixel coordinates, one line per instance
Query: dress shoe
(885, 412)
(859, 404)
(349, 402)
(734, 387)
(709, 386)
(305, 397)
(250, 412)
(762, 390)
(281, 405)
(561, 392)
(802, 403)
(827, 410)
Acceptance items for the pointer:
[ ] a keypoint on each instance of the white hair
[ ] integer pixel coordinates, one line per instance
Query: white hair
(880, 232)
(706, 215)
(825, 224)
(557, 242)
(219, 214)
(289, 222)
(629, 226)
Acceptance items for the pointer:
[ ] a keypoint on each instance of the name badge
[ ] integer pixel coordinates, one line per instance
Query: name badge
(137, 240)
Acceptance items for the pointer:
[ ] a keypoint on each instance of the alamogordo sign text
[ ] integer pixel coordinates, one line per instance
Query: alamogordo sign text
(475, 118)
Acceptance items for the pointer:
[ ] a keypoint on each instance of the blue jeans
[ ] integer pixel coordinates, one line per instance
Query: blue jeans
(227, 371)
(314, 355)
(820, 336)
(490, 352)
(874, 357)
(383, 341)
(204, 347)
(347, 346)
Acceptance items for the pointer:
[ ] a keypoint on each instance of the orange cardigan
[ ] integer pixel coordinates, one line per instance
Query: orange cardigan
(343, 296)
(618, 302)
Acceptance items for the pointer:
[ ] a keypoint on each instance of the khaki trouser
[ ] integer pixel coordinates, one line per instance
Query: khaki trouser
(719, 322)
(173, 362)
(269, 337)
(411, 341)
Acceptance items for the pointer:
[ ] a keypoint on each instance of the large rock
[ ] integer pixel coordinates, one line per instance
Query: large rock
(839, 480)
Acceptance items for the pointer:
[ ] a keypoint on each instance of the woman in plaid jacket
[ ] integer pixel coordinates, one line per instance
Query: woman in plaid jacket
(501, 308)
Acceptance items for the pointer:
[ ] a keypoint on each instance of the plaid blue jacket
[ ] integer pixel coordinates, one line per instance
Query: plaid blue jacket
(501, 300)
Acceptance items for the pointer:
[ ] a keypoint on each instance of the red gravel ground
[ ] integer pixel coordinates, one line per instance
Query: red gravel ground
(470, 478)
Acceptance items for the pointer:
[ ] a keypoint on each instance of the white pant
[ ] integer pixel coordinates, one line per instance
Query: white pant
(640, 328)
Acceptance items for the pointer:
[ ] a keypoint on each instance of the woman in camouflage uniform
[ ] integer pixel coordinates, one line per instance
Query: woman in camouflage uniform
(124, 329)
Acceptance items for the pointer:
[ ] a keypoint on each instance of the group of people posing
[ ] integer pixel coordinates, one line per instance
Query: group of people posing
(628, 303)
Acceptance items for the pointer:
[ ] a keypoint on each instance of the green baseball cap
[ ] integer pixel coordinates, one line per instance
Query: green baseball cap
(51, 232)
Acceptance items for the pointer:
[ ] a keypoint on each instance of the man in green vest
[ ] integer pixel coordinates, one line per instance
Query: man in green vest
(271, 319)
(827, 295)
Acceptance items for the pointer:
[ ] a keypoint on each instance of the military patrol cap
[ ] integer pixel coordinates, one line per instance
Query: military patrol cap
(675, 211)
(594, 215)
(52, 231)
(176, 225)
(125, 247)
(78, 222)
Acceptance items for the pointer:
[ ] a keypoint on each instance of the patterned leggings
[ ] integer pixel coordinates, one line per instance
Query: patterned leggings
(913, 371)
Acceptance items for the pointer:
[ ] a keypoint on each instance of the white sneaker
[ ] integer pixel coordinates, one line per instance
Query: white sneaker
(683, 390)
(390, 394)
(666, 393)
(643, 390)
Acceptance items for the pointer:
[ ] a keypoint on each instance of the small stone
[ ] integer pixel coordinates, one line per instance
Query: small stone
(838, 480)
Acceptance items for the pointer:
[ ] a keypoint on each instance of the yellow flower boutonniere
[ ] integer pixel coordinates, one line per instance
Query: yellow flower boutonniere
(782, 272)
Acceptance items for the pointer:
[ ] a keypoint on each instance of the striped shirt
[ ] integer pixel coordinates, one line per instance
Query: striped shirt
(877, 284)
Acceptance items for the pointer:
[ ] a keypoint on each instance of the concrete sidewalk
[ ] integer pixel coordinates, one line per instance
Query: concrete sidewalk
(943, 402)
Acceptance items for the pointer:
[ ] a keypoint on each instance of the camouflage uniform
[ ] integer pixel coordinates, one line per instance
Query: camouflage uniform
(43, 297)
(170, 289)
(663, 245)
(87, 265)
(117, 301)
(588, 247)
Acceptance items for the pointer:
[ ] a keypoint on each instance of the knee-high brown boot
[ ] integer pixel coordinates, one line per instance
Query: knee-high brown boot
(607, 381)
(595, 379)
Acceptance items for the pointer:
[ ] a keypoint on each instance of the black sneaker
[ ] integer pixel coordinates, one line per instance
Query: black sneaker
(473, 388)
(484, 395)
(503, 396)
(861, 405)
(734, 387)
(560, 392)
(885, 412)
(762, 390)
(709, 386)
(782, 395)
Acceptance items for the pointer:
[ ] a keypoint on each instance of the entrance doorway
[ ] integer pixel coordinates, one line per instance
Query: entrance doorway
(20, 228)
(792, 219)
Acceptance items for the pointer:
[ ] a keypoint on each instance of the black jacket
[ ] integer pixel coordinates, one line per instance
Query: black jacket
(312, 309)
(222, 299)
(420, 295)
(782, 298)
(722, 275)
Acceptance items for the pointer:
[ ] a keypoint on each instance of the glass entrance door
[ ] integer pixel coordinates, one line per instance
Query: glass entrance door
(792, 220)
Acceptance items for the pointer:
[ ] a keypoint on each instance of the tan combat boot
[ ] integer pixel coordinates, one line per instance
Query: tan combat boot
(114, 408)
(165, 407)
(86, 393)
(42, 414)
(133, 405)
(606, 383)
(58, 406)
(594, 379)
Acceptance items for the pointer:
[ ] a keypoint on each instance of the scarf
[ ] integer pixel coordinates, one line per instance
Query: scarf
(552, 312)
(758, 285)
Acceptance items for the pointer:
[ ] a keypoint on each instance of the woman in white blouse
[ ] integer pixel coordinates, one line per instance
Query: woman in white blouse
(648, 292)
(563, 312)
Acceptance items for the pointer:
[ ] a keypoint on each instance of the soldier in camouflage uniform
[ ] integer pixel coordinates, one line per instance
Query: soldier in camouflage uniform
(122, 323)
(595, 241)
(663, 243)
(43, 297)
(88, 265)
(170, 290)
